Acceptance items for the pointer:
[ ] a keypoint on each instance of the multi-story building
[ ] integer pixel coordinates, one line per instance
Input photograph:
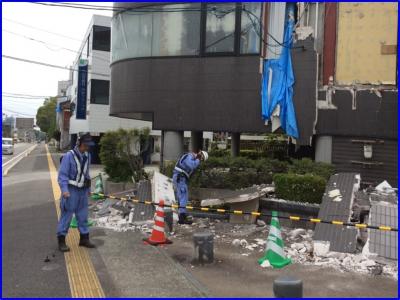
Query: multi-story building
(202, 67)
(89, 90)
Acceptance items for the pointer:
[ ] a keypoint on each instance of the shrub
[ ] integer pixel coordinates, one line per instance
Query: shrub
(307, 166)
(303, 188)
(117, 153)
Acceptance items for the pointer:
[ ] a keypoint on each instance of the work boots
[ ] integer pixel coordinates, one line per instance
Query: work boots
(62, 246)
(85, 242)
(183, 219)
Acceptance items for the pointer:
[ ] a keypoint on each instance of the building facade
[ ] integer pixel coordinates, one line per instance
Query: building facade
(200, 67)
(89, 105)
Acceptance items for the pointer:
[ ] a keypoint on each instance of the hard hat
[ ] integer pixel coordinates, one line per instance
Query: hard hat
(205, 155)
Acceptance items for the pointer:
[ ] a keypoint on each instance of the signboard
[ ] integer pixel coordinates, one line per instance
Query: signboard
(81, 101)
(24, 123)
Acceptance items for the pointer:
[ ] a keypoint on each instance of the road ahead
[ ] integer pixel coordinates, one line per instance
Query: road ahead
(18, 148)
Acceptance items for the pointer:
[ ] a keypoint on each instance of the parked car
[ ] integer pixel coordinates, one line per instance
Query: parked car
(7, 146)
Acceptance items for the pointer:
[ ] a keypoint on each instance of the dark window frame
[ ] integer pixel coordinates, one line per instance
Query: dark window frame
(93, 37)
(237, 34)
(92, 99)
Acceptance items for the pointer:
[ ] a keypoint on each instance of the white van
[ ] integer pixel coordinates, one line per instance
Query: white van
(7, 146)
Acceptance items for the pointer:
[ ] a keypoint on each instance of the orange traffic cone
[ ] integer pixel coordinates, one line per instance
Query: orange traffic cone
(158, 234)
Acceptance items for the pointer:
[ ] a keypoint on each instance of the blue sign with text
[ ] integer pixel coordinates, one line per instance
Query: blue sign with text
(81, 101)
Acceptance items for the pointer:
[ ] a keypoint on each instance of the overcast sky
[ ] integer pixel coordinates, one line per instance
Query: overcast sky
(24, 78)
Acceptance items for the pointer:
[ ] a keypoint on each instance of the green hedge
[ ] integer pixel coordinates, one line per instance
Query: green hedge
(304, 188)
(307, 166)
(298, 180)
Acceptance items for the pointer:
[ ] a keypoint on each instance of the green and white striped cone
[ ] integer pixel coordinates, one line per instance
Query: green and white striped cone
(274, 251)
(98, 188)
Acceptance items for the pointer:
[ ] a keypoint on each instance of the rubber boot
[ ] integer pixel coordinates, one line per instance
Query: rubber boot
(183, 219)
(62, 246)
(85, 242)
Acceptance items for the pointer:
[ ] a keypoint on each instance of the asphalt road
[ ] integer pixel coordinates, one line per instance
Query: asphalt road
(18, 148)
(28, 225)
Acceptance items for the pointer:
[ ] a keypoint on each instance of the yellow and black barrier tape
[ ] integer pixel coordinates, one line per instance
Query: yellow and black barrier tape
(255, 213)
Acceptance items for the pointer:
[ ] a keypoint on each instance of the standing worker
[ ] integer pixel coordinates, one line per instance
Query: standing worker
(184, 168)
(74, 181)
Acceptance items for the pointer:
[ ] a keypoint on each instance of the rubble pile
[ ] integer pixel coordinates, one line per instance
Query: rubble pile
(250, 240)
(117, 215)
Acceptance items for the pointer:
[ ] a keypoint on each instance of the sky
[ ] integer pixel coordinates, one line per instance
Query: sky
(31, 79)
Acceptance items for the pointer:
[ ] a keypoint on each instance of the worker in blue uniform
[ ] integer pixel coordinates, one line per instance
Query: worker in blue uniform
(74, 181)
(184, 168)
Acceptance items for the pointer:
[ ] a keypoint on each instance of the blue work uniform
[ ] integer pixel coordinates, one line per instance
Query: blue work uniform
(74, 169)
(184, 168)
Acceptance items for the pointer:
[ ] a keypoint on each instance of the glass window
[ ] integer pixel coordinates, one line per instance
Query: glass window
(101, 38)
(220, 28)
(176, 33)
(250, 28)
(157, 33)
(99, 91)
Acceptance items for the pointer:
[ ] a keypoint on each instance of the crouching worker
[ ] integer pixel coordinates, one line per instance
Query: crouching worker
(74, 181)
(184, 168)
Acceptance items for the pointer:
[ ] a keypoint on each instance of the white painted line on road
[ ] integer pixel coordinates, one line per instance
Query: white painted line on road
(12, 162)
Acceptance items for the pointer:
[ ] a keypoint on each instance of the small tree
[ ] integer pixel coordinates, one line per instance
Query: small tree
(120, 154)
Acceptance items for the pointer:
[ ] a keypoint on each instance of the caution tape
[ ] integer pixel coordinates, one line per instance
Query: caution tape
(254, 213)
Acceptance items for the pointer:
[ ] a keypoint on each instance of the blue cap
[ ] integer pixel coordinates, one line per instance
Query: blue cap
(86, 139)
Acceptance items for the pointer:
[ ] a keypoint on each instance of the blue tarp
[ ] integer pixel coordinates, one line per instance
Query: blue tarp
(278, 81)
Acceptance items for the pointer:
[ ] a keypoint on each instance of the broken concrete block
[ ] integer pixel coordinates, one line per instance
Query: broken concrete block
(296, 233)
(297, 246)
(244, 243)
(236, 243)
(261, 223)
(321, 248)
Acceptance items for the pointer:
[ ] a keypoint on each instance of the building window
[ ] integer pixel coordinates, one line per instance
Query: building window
(220, 28)
(99, 91)
(186, 29)
(250, 28)
(101, 38)
(157, 33)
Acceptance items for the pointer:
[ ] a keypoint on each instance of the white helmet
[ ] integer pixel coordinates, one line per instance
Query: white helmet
(205, 155)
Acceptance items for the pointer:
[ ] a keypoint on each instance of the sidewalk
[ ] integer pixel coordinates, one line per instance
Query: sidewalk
(126, 267)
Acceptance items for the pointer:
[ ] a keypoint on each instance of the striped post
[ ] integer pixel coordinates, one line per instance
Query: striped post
(274, 251)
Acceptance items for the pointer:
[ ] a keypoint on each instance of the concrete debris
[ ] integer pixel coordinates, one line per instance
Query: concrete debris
(321, 248)
(243, 243)
(336, 195)
(261, 223)
(296, 233)
(384, 187)
(236, 242)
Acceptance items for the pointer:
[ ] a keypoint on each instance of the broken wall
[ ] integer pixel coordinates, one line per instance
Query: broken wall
(366, 50)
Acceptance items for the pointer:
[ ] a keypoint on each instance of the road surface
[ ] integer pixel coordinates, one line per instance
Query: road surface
(18, 148)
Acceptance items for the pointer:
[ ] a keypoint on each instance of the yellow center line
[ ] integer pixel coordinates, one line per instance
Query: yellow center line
(83, 280)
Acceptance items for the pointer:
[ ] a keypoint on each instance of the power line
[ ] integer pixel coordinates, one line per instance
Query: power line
(46, 44)
(50, 65)
(25, 95)
(18, 113)
(44, 30)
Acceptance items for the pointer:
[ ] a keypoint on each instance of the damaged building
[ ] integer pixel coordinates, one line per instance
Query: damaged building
(208, 67)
